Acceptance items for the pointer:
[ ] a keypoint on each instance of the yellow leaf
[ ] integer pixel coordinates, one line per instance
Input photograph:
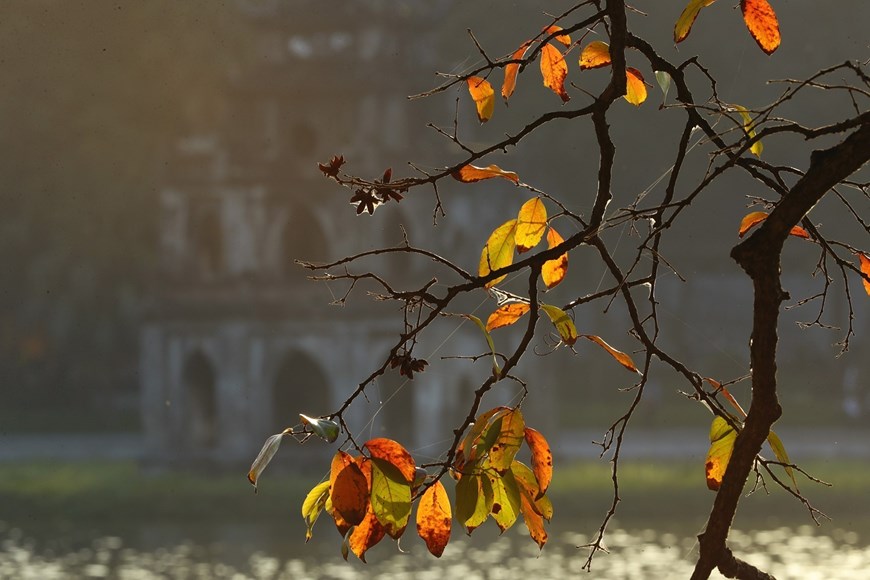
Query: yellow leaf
(563, 323)
(554, 70)
(534, 512)
(498, 251)
(722, 437)
(313, 504)
(620, 356)
(484, 97)
(434, 518)
(391, 497)
(762, 24)
(749, 127)
(506, 503)
(506, 315)
(781, 455)
(474, 500)
(595, 55)
(565, 39)
(687, 18)
(471, 173)
(635, 87)
(507, 442)
(511, 71)
(553, 271)
(865, 269)
(531, 224)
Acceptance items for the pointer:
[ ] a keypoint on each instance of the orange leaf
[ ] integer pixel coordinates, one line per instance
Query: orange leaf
(553, 271)
(542, 459)
(753, 219)
(434, 518)
(471, 173)
(722, 437)
(554, 70)
(392, 452)
(484, 97)
(506, 315)
(512, 70)
(687, 18)
(531, 224)
(498, 251)
(534, 511)
(620, 356)
(865, 269)
(799, 232)
(719, 388)
(368, 533)
(762, 24)
(565, 39)
(595, 55)
(350, 494)
(635, 88)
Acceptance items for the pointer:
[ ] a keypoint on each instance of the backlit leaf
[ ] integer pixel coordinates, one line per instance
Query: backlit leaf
(620, 356)
(498, 251)
(542, 459)
(508, 442)
(474, 499)
(391, 497)
(340, 460)
(506, 315)
(722, 437)
(565, 39)
(596, 54)
(751, 220)
(270, 447)
(781, 455)
(511, 71)
(563, 323)
(394, 453)
(687, 18)
(469, 447)
(326, 429)
(531, 224)
(506, 504)
(528, 485)
(762, 23)
(865, 269)
(635, 87)
(434, 518)
(553, 271)
(484, 97)
(749, 127)
(471, 173)
(554, 70)
(313, 504)
(727, 394)
(664, 81)
(367, 534)
(496, 370)
(350, 494)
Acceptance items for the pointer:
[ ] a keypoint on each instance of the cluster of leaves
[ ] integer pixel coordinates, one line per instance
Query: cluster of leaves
(758, 15)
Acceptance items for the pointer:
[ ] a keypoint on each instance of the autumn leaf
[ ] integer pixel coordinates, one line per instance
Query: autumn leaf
(865, 269)
(391, 497)
(507, 443)
(635, 87)
(531, 224)
(340, 460)
(434, 518)
(313, 504)
(749, 127)
(563, 323)
(727, 394)
(498, 251)
(471, 445)
(474, 499)
(565, 39)
(722, 437)
(781, 455)
(484, 97)
(534, 512)
(350, 494)
(595, 55)
(687, 18)
(542, 459)
(511, 71)
(751, 220)
(270, 447)
(554, 271)
(554, 70)
(495, 368)
(506, 315)
(393, 452)
(471, 173)
(620, 356)
(762, 24)
(506, 503)
(366, 535)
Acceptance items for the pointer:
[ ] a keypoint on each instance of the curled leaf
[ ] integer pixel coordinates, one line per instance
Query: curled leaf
(751, 220)
(313, 504)
(434, 518)
(749, 127)
(542, 459)
(496, 370)
(326, 429)
(781, 455)
(596, 54)
(554, 70)
(554, 271)
(761, 21)
(620, 356)
(498, 251)
(506, 315)
(564, 39)
(722, 437)
(563, 323)
(687, 18)
(484, 97)
(512, 70)
(270, 447)
(531, 224)
(471, 173)
(635, 87)
(865, 269)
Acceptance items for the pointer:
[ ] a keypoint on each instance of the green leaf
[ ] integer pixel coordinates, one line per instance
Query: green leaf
(664, 80)
(324, 428)
(270, 447)
(563, 323)
(722, 437)
(510, 436)
(506, 503)
(496, 370)
(781, 455)
(474, 498)
(313, 504)
(391, 497)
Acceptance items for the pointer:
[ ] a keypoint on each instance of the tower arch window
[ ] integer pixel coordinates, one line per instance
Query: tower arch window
(300, 386)
(201, 406)
(303, 238)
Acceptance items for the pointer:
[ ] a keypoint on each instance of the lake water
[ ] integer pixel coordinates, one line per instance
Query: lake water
(183, 551)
